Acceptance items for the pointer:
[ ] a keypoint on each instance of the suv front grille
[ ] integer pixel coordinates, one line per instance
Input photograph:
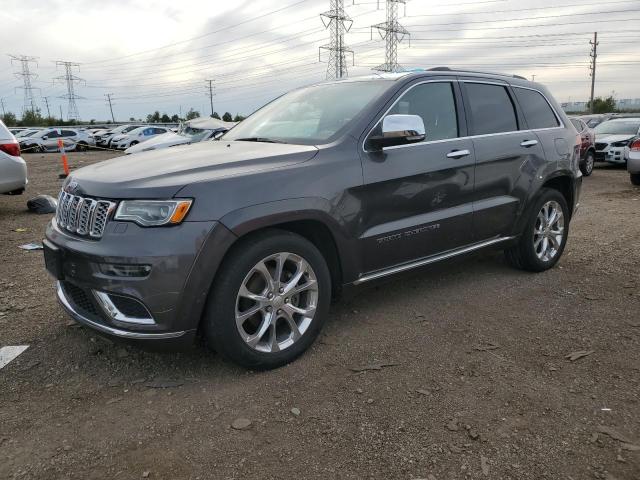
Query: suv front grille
(83, 216)
(81, 299)
(601, 146)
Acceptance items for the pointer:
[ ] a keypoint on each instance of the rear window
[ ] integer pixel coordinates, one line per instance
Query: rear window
(578, 124)
(536, 109)
(492, 110)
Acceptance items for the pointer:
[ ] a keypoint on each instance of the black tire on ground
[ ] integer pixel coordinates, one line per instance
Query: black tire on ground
(133, 143)
(523, 255)
(586, 167)
(635, 178)
(219, 319)
(81, 147)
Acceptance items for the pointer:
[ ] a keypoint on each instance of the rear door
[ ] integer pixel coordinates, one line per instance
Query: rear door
(417, 198)
(506, 155)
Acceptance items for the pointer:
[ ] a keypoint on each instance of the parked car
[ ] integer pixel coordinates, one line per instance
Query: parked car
(104, 140)
(596, 119)
(632, 155)
(136, 136)
(193, 131)
(325, 188)
(27, 132)
(13, 169)
(46, 140)
(16, 130)
(613, 136)
(587, 147)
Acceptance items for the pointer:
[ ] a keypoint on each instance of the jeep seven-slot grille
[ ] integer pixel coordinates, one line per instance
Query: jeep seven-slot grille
(83, 216)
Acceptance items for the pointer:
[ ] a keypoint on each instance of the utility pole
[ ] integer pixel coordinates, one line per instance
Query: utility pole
(393, 33)
(592, 67)
(27, 76)
(210, 94)
(108, 95)
(2, 103)
(46, 102)
(338, 23)
(61, 118)
(533, 78)
(70, 79)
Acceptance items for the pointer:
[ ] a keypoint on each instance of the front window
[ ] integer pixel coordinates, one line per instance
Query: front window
(194, 134)
(310, 115)
(618, 128)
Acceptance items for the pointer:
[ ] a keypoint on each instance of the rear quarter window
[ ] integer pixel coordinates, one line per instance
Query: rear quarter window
(536, 109)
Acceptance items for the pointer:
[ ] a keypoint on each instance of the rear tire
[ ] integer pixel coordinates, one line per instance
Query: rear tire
(277, 331)
(545, 234)
(586, 167)
(635, 178)
(81, 147)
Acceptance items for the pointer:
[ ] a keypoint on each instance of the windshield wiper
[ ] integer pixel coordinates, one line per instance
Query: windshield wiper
(259, 139)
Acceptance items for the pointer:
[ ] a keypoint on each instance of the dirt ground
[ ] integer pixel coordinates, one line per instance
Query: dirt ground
(477, 384)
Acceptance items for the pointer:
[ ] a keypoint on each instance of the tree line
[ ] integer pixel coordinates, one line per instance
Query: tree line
(34, 118)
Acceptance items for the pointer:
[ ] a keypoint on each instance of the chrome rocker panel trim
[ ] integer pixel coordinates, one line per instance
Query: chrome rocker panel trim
(110, 330)
(426, 261)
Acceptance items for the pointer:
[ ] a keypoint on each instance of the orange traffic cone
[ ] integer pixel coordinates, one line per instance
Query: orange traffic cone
(65, 163)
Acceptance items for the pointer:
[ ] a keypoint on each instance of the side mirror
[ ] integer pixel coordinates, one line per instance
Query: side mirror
(45, 138)
(399, 130)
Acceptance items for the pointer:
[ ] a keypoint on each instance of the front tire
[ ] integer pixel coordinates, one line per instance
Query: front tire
(586, 167)
(635, 178)
(269, 301)
(545, 234)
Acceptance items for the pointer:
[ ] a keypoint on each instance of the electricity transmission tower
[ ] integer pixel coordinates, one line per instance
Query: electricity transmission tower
(70, 79)
(211, 93)
(393, 33)
(592, 67)
(338, 23)
(27, 76)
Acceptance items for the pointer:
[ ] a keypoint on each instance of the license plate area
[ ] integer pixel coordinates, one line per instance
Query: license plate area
(53, 260)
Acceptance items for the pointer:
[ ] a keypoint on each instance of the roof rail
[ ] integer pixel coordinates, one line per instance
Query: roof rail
(447, 69)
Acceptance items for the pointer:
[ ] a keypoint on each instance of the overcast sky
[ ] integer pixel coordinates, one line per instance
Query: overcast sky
(157, 54)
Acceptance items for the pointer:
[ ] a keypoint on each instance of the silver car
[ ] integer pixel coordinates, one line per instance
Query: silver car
(613, 136)
(13, 169)
(632, 155)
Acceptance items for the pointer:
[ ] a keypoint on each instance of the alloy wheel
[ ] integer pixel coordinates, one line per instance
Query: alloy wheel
(548, 231)
(276, 303)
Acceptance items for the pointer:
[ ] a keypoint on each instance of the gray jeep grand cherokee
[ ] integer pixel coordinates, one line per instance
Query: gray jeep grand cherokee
(247, 239)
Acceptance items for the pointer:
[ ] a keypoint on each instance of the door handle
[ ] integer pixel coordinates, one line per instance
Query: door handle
(458, 153)
(529, 143)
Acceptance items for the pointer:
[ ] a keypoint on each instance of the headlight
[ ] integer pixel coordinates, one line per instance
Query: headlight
(623, 143)
(153, 213)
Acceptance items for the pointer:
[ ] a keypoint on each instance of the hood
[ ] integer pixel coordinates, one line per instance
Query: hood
(612, 138)
(161, 173)
(164, 140)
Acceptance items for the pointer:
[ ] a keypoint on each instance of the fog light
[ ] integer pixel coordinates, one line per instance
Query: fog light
(130, 271)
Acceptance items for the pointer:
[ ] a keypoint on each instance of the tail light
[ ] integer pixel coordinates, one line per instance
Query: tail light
(635, 146)
(10, 148)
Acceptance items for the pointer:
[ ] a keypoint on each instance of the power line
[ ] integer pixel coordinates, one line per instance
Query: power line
(27, 75)
(70, 79)
(335, 20)
(393, 33)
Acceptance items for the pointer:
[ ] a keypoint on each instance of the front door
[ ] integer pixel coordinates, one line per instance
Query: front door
(417, 198)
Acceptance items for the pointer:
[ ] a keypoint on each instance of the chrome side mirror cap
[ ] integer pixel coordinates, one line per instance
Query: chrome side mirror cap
(399, 130)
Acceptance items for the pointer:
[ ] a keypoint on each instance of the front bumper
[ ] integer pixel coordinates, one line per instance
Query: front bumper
(181, 263)
(633, 162)
(611, 155)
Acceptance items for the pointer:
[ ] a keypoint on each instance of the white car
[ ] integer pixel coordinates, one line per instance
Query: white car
(46, 140)
(135, 136)
(193, 131)
(613, 136)
(103, 139)
(26, 133)
(13, 169)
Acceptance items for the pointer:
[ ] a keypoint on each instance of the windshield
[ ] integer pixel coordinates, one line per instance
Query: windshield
(310, 115)
(194, 134)
(27, 133)
(618, 128)
(130, 128)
